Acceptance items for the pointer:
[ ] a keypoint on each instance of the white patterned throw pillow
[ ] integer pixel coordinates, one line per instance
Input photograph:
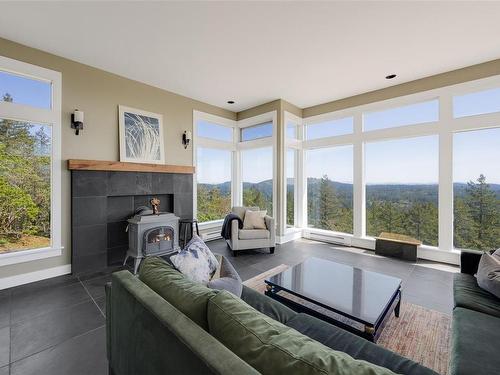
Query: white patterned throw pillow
(196, 261)
(255, 220)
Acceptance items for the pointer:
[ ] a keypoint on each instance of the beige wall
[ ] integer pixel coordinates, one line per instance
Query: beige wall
(453, 77)
(98, 94)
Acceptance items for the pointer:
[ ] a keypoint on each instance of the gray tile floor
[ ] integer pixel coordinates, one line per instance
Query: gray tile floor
(56, 326)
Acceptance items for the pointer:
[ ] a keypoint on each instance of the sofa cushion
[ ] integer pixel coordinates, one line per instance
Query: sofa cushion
(474, 346)
(469, 295)
(226, 278)
(189, 297)
(273, 348)
(267, 305)
(339, 339)
(488, 274)
(254, 234)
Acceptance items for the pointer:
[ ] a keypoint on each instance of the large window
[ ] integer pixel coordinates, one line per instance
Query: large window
(476, 187)
(402, 188)
(329, 188)
(29, 158)
(213, 175)
(257, 178)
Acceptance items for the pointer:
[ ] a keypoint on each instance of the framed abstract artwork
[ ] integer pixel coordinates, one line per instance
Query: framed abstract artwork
(141, 136)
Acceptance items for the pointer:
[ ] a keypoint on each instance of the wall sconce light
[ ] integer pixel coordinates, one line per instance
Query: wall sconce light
(186, 138)
(77, 121)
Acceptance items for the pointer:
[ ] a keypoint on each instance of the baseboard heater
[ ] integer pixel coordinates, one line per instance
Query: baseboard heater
(333, 239)
(211, 235)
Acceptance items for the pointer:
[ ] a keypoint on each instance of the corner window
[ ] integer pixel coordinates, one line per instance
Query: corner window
(213, 175)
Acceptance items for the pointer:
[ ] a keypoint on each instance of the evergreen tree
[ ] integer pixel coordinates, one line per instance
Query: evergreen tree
(329, 205)
(289, 207)
(463, 224)
(484, 210)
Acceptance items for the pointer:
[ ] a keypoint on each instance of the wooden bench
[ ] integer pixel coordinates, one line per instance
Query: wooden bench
(397, 245)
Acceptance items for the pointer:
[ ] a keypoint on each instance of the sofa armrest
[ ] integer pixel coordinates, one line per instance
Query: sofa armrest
(234, 231)
(147, 335)
(469, 261)
(270, 223)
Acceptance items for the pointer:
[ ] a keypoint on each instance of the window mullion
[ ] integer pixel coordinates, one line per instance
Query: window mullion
(445, 186)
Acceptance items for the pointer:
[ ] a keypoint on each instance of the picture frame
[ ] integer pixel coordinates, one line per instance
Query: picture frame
(141, 136)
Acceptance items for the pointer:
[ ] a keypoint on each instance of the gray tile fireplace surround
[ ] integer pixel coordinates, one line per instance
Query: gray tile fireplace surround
(102, 201)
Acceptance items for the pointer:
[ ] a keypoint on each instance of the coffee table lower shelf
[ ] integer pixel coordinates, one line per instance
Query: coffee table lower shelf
(363, 329)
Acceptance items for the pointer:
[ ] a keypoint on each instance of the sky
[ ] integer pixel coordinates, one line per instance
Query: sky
(413, 160)
(25, 90)
(257, 164)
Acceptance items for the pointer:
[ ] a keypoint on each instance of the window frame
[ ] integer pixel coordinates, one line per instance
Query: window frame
(210, 143)
(296, 145)
(272, 117)
(52, 118)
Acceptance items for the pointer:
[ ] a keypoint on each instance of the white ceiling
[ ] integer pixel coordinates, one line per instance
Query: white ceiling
(252, 52)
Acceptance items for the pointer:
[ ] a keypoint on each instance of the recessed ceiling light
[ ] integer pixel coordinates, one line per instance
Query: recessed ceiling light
(230, 102)
(390, 76)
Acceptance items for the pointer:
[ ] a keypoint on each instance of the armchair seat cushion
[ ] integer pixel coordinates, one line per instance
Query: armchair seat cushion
(254, 234)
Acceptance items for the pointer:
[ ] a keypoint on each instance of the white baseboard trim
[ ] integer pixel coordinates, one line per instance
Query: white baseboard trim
(423, 252)
(289, 236)
(30, 277)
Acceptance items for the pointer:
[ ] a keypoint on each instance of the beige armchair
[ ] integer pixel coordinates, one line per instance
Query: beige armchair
(244, 239)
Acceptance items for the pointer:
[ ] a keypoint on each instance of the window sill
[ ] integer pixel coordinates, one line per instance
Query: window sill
(29, 255)
(210, 224)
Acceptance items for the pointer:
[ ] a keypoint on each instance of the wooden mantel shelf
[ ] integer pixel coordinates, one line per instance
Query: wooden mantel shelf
(102, 165)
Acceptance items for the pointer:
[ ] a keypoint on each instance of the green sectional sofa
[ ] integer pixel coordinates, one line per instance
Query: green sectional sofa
(162, 323)
(476, 323)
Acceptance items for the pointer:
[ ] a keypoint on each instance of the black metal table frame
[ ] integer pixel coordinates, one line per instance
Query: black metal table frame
(371, 331)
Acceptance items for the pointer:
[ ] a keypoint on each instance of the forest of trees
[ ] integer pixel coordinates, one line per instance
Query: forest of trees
(411, 210)
(403, 209)
(214, 201)
(24, 184)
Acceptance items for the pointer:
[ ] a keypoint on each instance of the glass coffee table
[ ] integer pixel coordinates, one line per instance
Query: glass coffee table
(349, 297)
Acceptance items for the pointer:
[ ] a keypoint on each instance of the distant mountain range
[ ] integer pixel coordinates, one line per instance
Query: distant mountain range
(388, 192)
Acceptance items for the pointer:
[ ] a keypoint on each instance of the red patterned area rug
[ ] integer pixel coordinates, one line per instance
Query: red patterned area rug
(420, 334)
